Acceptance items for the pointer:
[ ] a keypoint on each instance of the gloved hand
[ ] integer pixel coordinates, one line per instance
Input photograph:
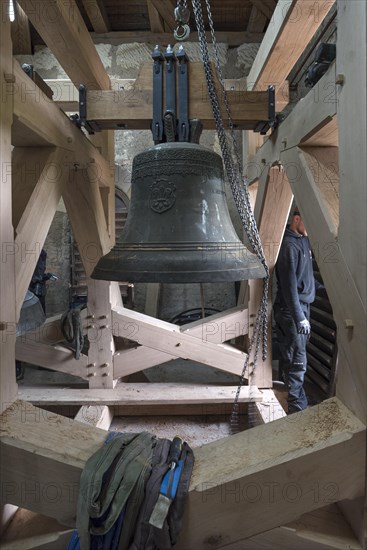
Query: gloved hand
(303, 327)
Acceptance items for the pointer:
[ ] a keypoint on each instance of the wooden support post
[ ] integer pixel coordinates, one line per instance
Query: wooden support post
(8, 386)
(351, 90)
(101, 344)
(99, 416)
(152, 299)
(276, 201)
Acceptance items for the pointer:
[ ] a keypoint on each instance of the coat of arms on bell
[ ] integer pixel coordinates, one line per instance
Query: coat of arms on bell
(162, 195)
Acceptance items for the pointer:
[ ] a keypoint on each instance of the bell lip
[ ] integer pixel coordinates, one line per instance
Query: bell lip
(184, 266)
(228, 276)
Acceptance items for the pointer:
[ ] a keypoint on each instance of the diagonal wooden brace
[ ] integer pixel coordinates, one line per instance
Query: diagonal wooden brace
(167, 341)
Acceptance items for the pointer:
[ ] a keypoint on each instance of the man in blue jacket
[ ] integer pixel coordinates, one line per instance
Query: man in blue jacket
(296, 291)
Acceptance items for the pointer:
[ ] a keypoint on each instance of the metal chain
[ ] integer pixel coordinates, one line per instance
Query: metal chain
(239, 188)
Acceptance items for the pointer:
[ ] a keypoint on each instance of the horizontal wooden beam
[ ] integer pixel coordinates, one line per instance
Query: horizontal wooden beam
(62, 28)
(140, 394)
(244, 477)
(133, 109)
(167, 337)
(233, 39)
(43, 455)
(66, 95)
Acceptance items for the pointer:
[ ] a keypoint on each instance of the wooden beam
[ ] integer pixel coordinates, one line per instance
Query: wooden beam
(99, 416)
(348, 309)
(353, 131)
(315, 112)
(324, 165)
(62, 28)
(165, 9)
(48, 333)
(32, 228)
(30, 530)
(42, 457)
(97, 15)
(265, 8)
(243, 476)
(257, 20)
(291, 28)
(57, 358)
(273, 208)
(322, 529)
(21, 32)
(166, 337)
(101, 343)
(28, 164)
(232, 39)
(133, 109)
(152, 299)
(269, 409)
(8, 386)
(66, 95)
(140, 394)
(38, 121)
(217, 328)
(89, 222)
(351, 90)
(305, 465)
(155, 18)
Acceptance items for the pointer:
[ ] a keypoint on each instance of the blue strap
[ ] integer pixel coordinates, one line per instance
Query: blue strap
(171, 480)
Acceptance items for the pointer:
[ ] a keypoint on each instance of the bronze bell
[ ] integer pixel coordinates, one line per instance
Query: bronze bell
(178, 228)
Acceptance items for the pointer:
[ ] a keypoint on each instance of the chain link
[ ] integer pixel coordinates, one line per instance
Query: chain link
(239, 187)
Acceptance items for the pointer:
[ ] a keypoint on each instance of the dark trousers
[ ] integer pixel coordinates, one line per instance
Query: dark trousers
(292, 356)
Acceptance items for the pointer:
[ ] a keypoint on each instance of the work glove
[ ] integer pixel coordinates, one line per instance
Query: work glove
(303, 327)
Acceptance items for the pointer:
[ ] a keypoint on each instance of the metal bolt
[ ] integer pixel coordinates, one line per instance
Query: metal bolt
(91, 326)
(105, 365)
(178, 345)
(91, 374)
(104, 326)
(91, 365)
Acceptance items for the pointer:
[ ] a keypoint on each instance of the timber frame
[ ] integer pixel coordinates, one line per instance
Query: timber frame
(308, 484)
